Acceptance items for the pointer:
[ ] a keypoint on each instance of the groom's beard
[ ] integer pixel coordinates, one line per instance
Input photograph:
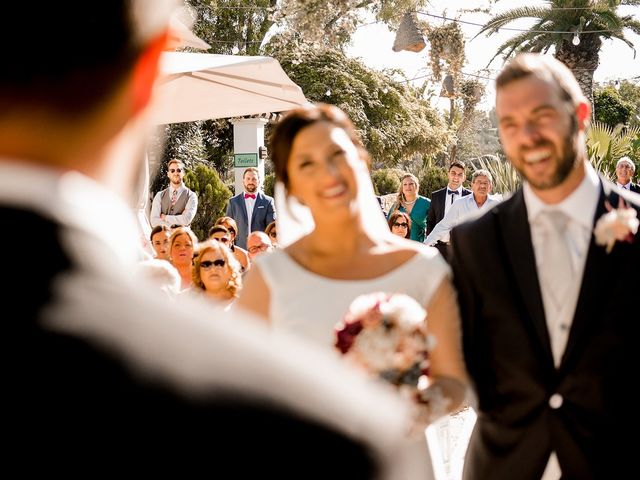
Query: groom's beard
(566, 160)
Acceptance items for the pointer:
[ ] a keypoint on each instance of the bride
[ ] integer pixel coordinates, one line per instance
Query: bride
(348, 249)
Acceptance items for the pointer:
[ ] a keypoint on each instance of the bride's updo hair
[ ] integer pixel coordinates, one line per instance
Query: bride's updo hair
(293, 122)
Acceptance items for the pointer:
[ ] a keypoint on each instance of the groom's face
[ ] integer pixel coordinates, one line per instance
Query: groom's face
(537, 131)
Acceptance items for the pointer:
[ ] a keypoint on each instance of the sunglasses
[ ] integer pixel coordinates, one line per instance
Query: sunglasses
(403, 225)
(223, 239)
(174, 170)
(207, 264)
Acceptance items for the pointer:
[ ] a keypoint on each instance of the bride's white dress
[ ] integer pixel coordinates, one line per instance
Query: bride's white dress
(310, 305)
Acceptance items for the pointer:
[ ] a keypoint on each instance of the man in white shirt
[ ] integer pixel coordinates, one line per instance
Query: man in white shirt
(465, 208)
(176, 205)
(625, 169)
(549, 346)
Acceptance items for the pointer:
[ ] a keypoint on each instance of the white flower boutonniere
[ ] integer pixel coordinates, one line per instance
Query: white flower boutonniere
(618, 224)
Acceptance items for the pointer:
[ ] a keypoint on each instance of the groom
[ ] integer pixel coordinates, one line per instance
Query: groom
(550, 346)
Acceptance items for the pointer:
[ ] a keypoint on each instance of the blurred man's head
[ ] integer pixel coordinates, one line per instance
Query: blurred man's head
(258, 243)
(78, 104)
(542, 115)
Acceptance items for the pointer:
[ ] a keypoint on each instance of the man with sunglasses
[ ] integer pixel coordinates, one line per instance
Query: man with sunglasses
(176, 205)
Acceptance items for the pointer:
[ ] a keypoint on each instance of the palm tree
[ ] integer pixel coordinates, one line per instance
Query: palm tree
(574, 27)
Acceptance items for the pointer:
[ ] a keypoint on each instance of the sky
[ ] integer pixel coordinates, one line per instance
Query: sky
(372, 44)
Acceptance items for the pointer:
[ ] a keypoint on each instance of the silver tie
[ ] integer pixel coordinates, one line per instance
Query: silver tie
(556, 267)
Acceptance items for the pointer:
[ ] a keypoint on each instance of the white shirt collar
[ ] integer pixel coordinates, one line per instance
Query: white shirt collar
(626, 186)
(579, 206)
(74, 200)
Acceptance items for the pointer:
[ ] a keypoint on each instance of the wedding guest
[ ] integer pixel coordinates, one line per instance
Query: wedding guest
(252, 209)
(241, 254)
(272, 232)
(400, 224)
(160, 241)
(549, 345)
(415, 205)
(104, 373)
(216, 272)
(176, 205)
(441, 201)
(182, 245)
(258, 243)
(318, 157)
(464, 208)
(625, 169)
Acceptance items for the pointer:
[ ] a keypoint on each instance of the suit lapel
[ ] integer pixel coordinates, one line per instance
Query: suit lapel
(243, 211)
(516, 241)
(259, 201)
(596, 267)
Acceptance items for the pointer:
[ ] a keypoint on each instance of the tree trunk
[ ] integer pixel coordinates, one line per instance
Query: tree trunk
(582, 59)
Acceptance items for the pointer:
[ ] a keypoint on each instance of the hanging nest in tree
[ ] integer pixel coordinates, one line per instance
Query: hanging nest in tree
(448, 90)
(409, 37)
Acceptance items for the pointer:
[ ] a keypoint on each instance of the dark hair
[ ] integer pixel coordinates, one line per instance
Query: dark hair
(218, 228)
(457, 163)
(545, 68)
(158, 229)
(394, 216)
(292, 123)
(83, 58)
(232, 225)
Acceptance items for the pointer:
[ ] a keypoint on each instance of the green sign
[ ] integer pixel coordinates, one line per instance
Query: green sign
(245, 160)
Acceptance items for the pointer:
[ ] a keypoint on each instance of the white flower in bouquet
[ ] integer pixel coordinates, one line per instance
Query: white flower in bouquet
(386, 335)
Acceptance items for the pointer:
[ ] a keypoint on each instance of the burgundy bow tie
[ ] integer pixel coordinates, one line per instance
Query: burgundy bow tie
(250, 195)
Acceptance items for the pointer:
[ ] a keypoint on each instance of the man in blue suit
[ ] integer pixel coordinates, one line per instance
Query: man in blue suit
(252, 210)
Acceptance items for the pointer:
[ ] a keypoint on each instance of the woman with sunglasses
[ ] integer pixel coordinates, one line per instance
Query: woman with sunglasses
(216, 272)
(241, 254)
(400, 224)
(415, 205)
(347, 250)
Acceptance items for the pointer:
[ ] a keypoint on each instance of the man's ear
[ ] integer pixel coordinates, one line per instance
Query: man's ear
(145, 72)
(583, 114)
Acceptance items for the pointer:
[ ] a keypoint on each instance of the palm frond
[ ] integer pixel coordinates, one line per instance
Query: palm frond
(500, 20)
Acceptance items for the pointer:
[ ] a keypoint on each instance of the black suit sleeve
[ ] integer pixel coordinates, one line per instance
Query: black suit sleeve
(431, 217)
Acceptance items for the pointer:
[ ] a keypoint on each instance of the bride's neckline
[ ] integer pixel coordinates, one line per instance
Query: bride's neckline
(311, 273)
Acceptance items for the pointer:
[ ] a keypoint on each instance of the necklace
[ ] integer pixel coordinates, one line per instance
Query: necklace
(405, 202)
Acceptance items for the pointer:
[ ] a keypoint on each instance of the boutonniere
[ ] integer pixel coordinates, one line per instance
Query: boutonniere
(618, 224)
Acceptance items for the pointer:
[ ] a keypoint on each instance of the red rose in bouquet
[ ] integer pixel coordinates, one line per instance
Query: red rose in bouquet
(386, 335)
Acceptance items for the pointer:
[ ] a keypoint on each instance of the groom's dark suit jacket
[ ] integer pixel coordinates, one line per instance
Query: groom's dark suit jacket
(438, 202)
(508, 354)
(264, 212)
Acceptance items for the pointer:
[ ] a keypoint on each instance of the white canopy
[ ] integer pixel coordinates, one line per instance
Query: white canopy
(199, 86)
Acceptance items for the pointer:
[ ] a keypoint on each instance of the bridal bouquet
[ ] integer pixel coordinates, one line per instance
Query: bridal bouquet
(386, 335)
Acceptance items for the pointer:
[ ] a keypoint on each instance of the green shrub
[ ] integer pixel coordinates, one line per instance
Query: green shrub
(385, 181)
(269, 184)
(432, 178)
(213, 196)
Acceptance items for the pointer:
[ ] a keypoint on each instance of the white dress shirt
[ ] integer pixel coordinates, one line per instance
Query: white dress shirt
(626, 187)
(464, 208)
(449, 201)
(249, 203)
(580, 209)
